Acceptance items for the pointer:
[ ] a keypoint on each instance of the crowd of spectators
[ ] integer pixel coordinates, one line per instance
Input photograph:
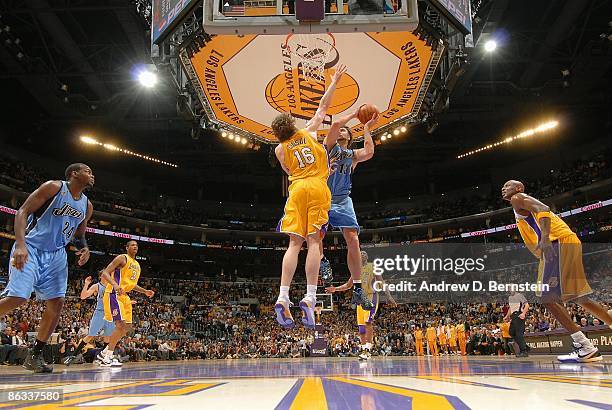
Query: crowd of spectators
(19, 175)
(223, 320)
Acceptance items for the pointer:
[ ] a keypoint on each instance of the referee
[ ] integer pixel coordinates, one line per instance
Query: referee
(516, 316)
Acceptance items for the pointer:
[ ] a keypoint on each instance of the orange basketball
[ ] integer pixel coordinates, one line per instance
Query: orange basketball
(366, 112)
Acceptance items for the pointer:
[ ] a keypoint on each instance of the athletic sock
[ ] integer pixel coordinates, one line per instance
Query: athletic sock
(80, 347)
(579, 337)
(357, 284)
(311, 293)
(368, 346)
(38, 347)
(284, 293)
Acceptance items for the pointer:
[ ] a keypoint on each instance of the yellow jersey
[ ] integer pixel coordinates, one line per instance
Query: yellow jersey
(418, 334)
(529, 228)
(305, 157)
(505, 329)
(367, 279)
(430, 333)
(127, 276)
(460, 328)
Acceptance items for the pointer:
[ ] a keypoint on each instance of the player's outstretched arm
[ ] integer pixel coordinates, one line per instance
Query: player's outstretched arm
(334, 131)
(32, 204)
(316, 121)
(117, 263)
(144, 291)
(88, 290)
(348, 285)
(367, 152)
(79, 237)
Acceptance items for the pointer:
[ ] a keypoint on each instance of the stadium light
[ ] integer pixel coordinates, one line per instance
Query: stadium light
(147, 79)
(490, 46)
(524, 134)
(403, 129)
(91, 141)
(383, 138)
(396, 132)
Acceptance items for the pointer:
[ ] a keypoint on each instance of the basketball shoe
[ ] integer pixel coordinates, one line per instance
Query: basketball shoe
(36, 363)
(581, 354)
(283, 314)
(325, 271)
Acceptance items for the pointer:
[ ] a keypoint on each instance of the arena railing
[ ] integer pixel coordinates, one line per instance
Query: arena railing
(142, 238)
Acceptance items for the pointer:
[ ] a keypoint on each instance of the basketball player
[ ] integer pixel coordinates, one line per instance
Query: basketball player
(97, 323)
(365, 318)
(452, 339)
(306, 162)
(461, 338)
(432, 344)
(50, 218)
(418, 340)
(342, 214)
(560, 253)
(117, 304)
(442, 339)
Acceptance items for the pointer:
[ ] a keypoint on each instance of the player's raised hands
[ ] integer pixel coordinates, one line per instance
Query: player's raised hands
(368, 125)
(339, 72)
(88, 280)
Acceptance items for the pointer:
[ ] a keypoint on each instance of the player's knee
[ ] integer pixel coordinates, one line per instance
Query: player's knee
(352, 239)
(55, 305)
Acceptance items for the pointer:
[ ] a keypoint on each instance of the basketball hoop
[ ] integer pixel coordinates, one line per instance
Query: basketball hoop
(313, 53)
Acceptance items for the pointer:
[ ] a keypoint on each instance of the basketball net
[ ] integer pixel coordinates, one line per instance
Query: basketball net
(312, 53)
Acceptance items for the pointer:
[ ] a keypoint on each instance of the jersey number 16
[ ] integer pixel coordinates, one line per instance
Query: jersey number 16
(306, 157)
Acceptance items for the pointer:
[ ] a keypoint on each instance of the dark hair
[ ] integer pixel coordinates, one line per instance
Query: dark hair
(128, 242)
(77, 166)
(283, 127)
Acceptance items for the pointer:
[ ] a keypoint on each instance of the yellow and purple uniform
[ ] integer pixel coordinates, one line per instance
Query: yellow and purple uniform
(565, 273)
(418, 340)
(120, 307)
(460, 328)
(367, 282)
(307, 206)
(452, 341)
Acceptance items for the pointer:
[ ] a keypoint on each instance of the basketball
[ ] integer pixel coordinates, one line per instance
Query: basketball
(366, 112)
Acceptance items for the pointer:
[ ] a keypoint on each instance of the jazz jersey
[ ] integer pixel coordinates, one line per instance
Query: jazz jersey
(54, 225)
(339, 181)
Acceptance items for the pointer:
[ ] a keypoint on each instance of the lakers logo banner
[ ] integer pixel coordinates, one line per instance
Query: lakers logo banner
(245, 81)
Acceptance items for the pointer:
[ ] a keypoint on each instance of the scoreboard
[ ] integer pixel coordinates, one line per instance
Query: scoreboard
(166, 14)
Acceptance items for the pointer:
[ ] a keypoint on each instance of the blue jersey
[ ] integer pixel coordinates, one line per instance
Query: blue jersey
(54, 224)
(100, 298)
(339, 181)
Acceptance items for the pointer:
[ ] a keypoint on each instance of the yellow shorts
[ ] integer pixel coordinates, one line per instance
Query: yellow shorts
(117, 307)
(367, 316)
(306, 208)
(564, 273)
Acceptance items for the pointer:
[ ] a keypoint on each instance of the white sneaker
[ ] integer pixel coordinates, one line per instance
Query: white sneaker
(581, 354)
(116, 363)
(105, 361)
(365, 355)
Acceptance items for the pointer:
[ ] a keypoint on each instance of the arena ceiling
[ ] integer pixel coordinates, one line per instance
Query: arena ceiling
(67, 66)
